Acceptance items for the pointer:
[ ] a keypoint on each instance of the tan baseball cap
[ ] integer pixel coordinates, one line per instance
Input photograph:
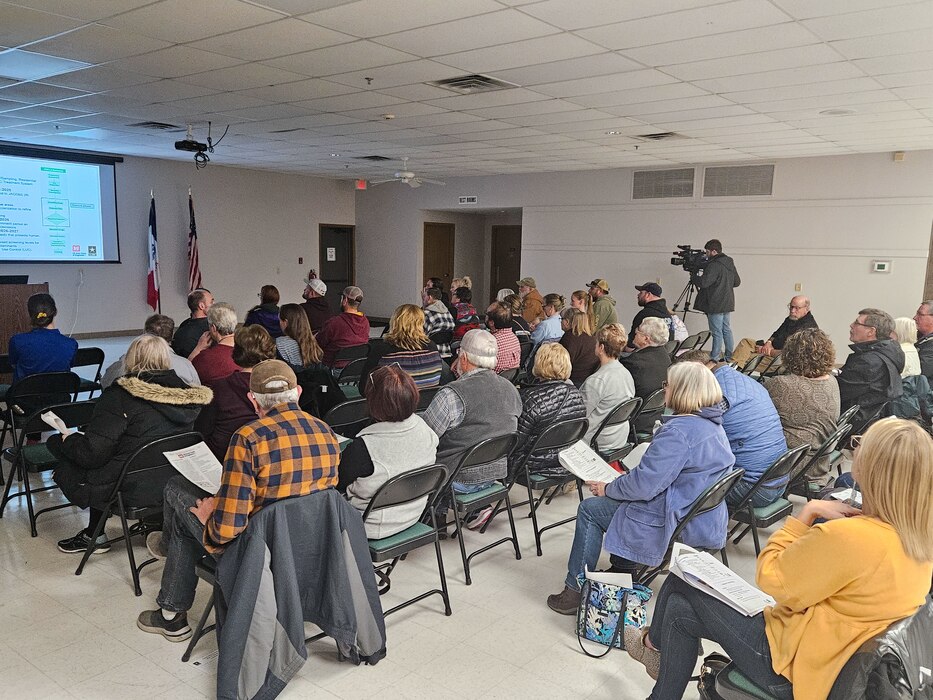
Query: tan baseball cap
(527, 282)
(601, 283)
(272, 377)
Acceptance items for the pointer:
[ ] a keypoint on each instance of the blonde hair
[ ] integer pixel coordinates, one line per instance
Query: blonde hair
(906, 330)
(577, 322)
(406, 328)
(148, 353)
(584, 298)
(894, 468)
(691, 386)
(552, 361)
(554, 300)
(464, 281)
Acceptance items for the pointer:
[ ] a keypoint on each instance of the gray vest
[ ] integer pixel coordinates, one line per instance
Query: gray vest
(492, 408)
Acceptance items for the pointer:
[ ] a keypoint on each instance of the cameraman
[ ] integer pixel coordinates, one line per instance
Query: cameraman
(716, 282)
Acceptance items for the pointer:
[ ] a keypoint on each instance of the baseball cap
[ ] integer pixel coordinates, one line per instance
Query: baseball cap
(479, 343)
(354, 294)
(271, 377)
(650, 287)
(527, 282)
(601, 283)
(317, 285)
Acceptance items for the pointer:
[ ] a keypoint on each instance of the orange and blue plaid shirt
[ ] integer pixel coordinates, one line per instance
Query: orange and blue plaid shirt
(284, 454)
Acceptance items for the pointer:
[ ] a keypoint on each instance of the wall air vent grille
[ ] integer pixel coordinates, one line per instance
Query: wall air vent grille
(470, 84)
(738, 180)
(663, 184)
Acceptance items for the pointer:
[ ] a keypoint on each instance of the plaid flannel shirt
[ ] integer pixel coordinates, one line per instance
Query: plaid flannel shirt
(436, 321)
(287, 453)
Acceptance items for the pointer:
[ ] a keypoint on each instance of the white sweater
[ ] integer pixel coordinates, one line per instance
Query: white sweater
(602, 391)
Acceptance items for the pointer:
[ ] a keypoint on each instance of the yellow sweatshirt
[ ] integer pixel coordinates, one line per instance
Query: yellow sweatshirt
(837, 585)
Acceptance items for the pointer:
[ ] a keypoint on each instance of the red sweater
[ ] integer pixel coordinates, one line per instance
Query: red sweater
(342, 331)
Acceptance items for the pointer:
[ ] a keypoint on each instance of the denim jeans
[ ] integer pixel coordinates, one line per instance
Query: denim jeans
(470, 488)
(593, 518)
(684, 615)
(722, 334)
(763, 496)
(181, 538)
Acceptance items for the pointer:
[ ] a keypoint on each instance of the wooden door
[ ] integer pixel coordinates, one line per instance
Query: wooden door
(438, 252)
(506, 259)
(336, 261)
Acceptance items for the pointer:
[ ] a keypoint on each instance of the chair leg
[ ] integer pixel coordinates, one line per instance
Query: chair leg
(722, 553)
(8, 487)
(27, 490)
(495, 511)
(94, 535)
(742, 534)
(534, 517)
(127, 540)
(508, 507)
(754, 527)
(440, 568)
(463, 555)
(200, 630)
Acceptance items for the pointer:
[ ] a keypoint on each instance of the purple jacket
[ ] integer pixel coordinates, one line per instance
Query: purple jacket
(688, 454)
(267, 316)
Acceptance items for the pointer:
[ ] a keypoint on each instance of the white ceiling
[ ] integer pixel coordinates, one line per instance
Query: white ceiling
(738, 80)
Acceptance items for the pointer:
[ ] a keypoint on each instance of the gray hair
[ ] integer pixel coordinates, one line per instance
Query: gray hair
(880, 320)
(906, 330)
(268, 401)
(656, 330)
(483, 362)
(928, 304)
(222, 316)
(503, 293)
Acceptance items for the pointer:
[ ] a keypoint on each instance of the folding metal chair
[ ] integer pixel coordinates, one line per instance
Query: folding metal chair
(801, 484)
(87, 357)
(651, 410)
(425, 397)
(671, 348)
(349, 417)
(617, 416)
(30, 394)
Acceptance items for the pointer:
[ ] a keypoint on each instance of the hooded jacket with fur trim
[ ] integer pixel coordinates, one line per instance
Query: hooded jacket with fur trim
(131, 412)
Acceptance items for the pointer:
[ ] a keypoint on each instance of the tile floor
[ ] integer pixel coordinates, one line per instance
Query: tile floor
(63, 636)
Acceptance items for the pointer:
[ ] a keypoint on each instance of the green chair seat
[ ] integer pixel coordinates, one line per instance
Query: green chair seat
(772, 509)
(409, 534)
(732, 685)
(541, 481)
(465, 499)
(38, 457)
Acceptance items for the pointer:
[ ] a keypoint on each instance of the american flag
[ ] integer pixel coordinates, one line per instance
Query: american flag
(152, 278)
(194, 266)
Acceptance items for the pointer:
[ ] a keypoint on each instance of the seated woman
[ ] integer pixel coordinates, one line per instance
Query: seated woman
(231, 409)
(551, 399)
(610, 385)
(397, 442)
(832, 581)
(149, 402)
(905, 330)
(465, 316)
(549, 328)
(639, 511)
(44, 348)
(406, 345)
(582, 300)
(297, 345)
(266, 314)
(579, 343)
(807, 397)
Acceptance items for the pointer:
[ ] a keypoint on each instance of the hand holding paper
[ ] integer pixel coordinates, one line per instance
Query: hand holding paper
(57, 423)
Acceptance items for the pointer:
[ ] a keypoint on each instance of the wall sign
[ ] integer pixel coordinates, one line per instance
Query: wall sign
(331, 254)
(469, 199)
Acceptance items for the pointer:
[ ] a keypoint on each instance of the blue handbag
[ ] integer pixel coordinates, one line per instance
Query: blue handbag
(606, 607)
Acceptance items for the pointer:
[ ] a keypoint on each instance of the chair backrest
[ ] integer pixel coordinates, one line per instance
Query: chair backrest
(617, 416)
(85, 357)
(671, 347)
(349, 417)
(651, 408)
(353, 352)
(319, 391)
(483, 452)
(509, 374)
(36, 391)
(525, 346)
(752, 364)
(75, 414)
(774, 369)
(779, 468)
(846, 417)
(148, 465)
(407, 487)
(800, 470)
(352, 371)
(557, 436)
(425, 397)
(690, 342)
(702, 337)
(5, 366)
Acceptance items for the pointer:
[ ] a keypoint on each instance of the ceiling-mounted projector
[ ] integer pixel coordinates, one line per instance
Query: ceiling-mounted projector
(190, 145)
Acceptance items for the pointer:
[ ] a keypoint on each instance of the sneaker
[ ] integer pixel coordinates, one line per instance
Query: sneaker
(566, 602)
(80, 543)
(174, 630)
(479, 518)
(155, 545)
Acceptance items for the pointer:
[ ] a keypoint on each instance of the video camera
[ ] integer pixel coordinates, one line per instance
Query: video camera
(690, 259)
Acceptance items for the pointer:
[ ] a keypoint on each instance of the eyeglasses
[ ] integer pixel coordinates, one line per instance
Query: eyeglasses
(791, 307)
(855, 441)
(859, 323)
(379, 369)
(664, 384)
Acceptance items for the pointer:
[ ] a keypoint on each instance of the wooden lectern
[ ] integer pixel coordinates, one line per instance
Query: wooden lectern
(13, 316)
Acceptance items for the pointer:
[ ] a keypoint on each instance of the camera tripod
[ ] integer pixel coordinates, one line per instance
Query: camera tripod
(686, 296)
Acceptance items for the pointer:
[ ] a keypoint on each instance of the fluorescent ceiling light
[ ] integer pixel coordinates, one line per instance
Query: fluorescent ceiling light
(29, 65)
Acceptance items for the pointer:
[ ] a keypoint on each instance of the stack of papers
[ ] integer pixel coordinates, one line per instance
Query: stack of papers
(582, 461)
(706, 573)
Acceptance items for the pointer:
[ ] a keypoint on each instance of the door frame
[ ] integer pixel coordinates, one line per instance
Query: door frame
(453, 248)
(321, 253)
(493, 231)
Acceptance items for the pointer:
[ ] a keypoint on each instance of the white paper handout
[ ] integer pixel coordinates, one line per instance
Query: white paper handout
(850, 496)
(582, 461)
(53, 420)
(198, 465)
(617, 579)
(706, 573)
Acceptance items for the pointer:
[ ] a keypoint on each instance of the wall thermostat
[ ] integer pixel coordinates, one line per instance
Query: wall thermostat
(880, 265)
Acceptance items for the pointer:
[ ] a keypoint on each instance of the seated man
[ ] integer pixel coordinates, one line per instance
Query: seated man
(648, 364)
(478, 405)
(924, 319)
(438, 322)
(753, 427)
(499, 323)
(212, 357)
(315, 306)
(191, 329)
(872, 373)
(798, 318)
(347, 329)
(652, 305)
(163, 327)
(282, 454)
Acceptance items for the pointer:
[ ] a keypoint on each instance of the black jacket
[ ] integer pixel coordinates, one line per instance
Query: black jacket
(187, 335)
(716, 283)
(925, 350)
(648, 367)
(871, 376)
(318, 311)
(130, 413)
(656, 309)
(789, 327)
(542, 405)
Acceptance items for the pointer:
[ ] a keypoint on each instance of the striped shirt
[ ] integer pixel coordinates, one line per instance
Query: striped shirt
(424, 366)
(284, 454)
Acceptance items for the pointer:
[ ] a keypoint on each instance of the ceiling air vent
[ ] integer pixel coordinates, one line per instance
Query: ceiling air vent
(662, 184)
(374, 159)
(470, 84)
(288, 131)
(738, 180)
(660, 136)
(158, 126)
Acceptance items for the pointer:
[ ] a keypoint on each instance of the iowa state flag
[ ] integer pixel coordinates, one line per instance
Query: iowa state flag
(152, 281)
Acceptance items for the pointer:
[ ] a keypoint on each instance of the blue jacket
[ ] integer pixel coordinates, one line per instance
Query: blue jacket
(687, 455)
(548, 329)
(751, 422)
(41, 350)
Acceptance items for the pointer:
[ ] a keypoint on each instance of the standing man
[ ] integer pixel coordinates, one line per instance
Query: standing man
(604, 306)
(717, 298)
(532, 301)
(924, 319)
(315, 305)
(191, 329)
(653, 305)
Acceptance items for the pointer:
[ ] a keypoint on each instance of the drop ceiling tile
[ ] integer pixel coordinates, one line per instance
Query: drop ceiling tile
(345, 103)
(175, 62)
(20, 25)
(781, 78)
(572, 14)
(525, 109)
(872, 22)
(885, 44)
(755, 62)
(221, 102)
(275, 111)
(881, 65)
(161, 91)
(806, 9)
(467, 34)
(173, 20)
(12, 122)
(299, 90)
(88, 10)
(37, 93)
(472, 127)
(521, 53)
(908, 92)
(402, 112)
(369, 18)
(819, 102)
(19, 64)
(710, 132)
(646, 94)
(588, 126)
(899, 80)
(432, 121)
(676, 105)
(398, 74)
(97, 78)
(96, 43)
(703, 21)
(488, 99)
(574, 116)
(341, 59)
(243, 77)
(43, 113)
(606, 83)
(571, 69)
(286, 36)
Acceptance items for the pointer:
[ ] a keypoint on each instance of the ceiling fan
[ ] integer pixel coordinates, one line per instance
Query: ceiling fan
(408, 177)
